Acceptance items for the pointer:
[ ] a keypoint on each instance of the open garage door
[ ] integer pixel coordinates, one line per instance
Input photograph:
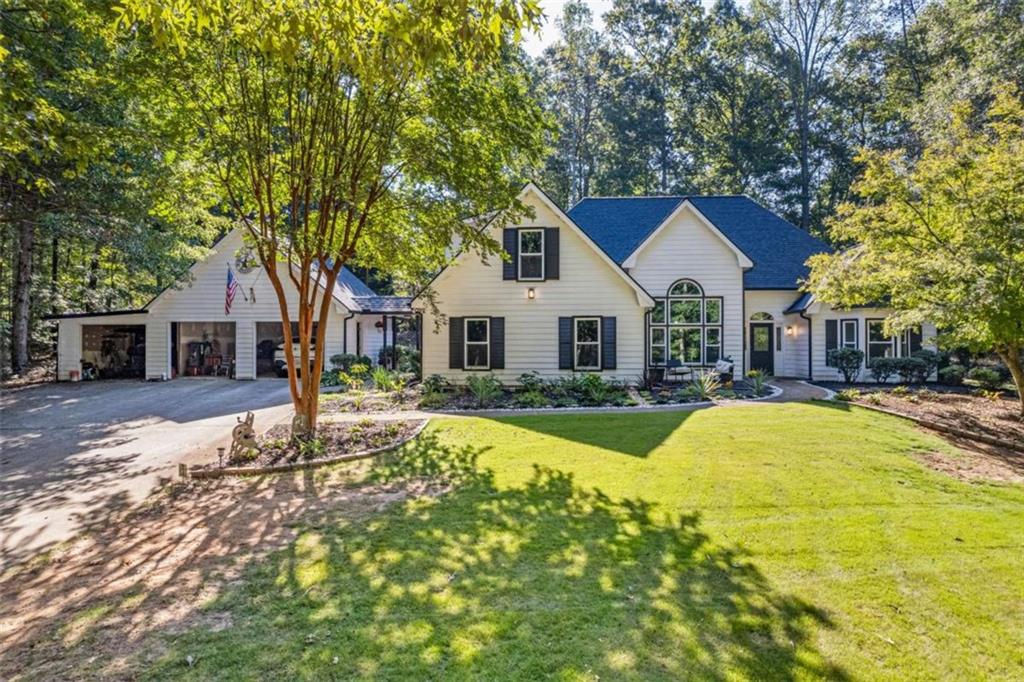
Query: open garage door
(114, 351)
(204, 348)
(270, 358)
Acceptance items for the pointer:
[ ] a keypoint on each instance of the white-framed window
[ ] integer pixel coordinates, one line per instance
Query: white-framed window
(657, 345)
(531, 255)
(477, 335)
(848, 334)
(686, 326)
(586, 342)
(879, 345)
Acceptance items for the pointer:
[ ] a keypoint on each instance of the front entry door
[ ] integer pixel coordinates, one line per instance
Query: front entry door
(762, 350)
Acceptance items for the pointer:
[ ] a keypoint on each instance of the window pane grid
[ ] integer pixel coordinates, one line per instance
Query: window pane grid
(531, 254)
(686, 326)
(587, 343)
(477, 344)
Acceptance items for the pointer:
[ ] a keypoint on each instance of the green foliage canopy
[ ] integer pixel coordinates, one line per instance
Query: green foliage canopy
(941, 238)
(364, 131)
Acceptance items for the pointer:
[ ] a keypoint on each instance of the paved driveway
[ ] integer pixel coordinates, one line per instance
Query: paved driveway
(71, 454)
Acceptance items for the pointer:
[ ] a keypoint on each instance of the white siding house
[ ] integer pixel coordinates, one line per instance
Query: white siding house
(707, 278)
(621, 286)
(588, 285)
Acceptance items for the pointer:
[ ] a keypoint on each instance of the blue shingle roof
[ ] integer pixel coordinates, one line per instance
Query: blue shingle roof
(777, 248)
(354, 284)
(385, 304)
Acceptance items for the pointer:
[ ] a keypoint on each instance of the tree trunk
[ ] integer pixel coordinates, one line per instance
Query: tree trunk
(54, 269)
(1011, 356)
(22, 295)
(805, 163)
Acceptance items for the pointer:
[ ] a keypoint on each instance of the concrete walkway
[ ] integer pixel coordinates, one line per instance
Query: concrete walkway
(71, 454)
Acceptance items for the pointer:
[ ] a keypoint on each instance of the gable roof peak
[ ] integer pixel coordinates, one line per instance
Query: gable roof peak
(777, 248)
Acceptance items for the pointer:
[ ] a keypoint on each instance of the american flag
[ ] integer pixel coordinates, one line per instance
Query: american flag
(229, 293)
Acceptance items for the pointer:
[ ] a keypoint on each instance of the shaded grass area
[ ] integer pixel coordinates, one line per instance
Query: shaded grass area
(787, 541)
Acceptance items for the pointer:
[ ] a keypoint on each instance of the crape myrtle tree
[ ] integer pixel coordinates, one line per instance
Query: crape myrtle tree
(941, 237)
(365, 130)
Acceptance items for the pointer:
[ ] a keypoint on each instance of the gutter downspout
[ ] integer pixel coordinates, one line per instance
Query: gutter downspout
(344, 332)
(810, 347)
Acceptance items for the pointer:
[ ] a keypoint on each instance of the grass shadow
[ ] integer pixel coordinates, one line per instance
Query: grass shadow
(547, 579)
(615, 432)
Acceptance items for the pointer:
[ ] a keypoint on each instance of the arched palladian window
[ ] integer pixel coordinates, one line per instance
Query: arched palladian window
(761, 317)
(685, 325)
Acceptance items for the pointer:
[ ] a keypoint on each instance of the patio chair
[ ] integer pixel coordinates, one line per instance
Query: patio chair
(675, 370)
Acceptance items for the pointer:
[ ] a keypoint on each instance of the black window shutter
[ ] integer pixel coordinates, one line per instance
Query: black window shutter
(551, 253)
(831, 338)
(915, 340)
(510, 242)
(455, 350)
(608, 343)
(497, 343)
(565, 343)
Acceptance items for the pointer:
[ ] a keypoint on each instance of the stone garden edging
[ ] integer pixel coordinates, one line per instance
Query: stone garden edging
(941, 427)
(200, 473)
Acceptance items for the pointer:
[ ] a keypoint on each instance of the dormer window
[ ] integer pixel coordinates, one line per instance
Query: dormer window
(531, 255)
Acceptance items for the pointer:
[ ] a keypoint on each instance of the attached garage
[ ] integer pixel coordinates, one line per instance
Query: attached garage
(203, 349)
(192, 329)
(113, 351)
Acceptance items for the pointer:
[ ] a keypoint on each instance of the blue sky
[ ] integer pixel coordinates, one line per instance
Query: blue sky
(535, 43)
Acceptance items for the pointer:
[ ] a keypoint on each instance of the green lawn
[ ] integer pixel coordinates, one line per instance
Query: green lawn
(766, 541)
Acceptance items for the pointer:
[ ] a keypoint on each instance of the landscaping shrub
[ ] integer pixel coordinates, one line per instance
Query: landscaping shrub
(331, 377)
(758, 381)
(883, 369)
(433, 400)
(986, 377)
(532, 399)
(385, 380)
(436, 383)
(486, 388)
(847, 361)
(911, 370)
(953, 375)
(595, 390)
(566, 387)
(706, 386)
(404, 358)
(531, 382)
(312, 448)
(930, 359)
(848, 394)
(344, 361)
(649, 378)
(994, 396)
(358, 400)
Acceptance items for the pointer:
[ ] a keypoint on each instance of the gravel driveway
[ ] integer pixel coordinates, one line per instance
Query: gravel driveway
(70, 454)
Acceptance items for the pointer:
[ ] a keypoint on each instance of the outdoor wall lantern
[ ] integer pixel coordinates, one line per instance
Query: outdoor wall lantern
(531, 293)
(790, 330)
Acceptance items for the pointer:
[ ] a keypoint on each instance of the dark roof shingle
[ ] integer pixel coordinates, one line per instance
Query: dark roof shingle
(778, 248)
(384, 304)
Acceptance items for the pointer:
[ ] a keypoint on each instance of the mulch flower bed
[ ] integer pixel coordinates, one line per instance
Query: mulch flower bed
(347, 402)
(332, 439)
(460, 398)
(999, 417)
(677, 395)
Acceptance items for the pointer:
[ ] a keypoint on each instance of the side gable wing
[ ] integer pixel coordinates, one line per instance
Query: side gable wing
(532, 189)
